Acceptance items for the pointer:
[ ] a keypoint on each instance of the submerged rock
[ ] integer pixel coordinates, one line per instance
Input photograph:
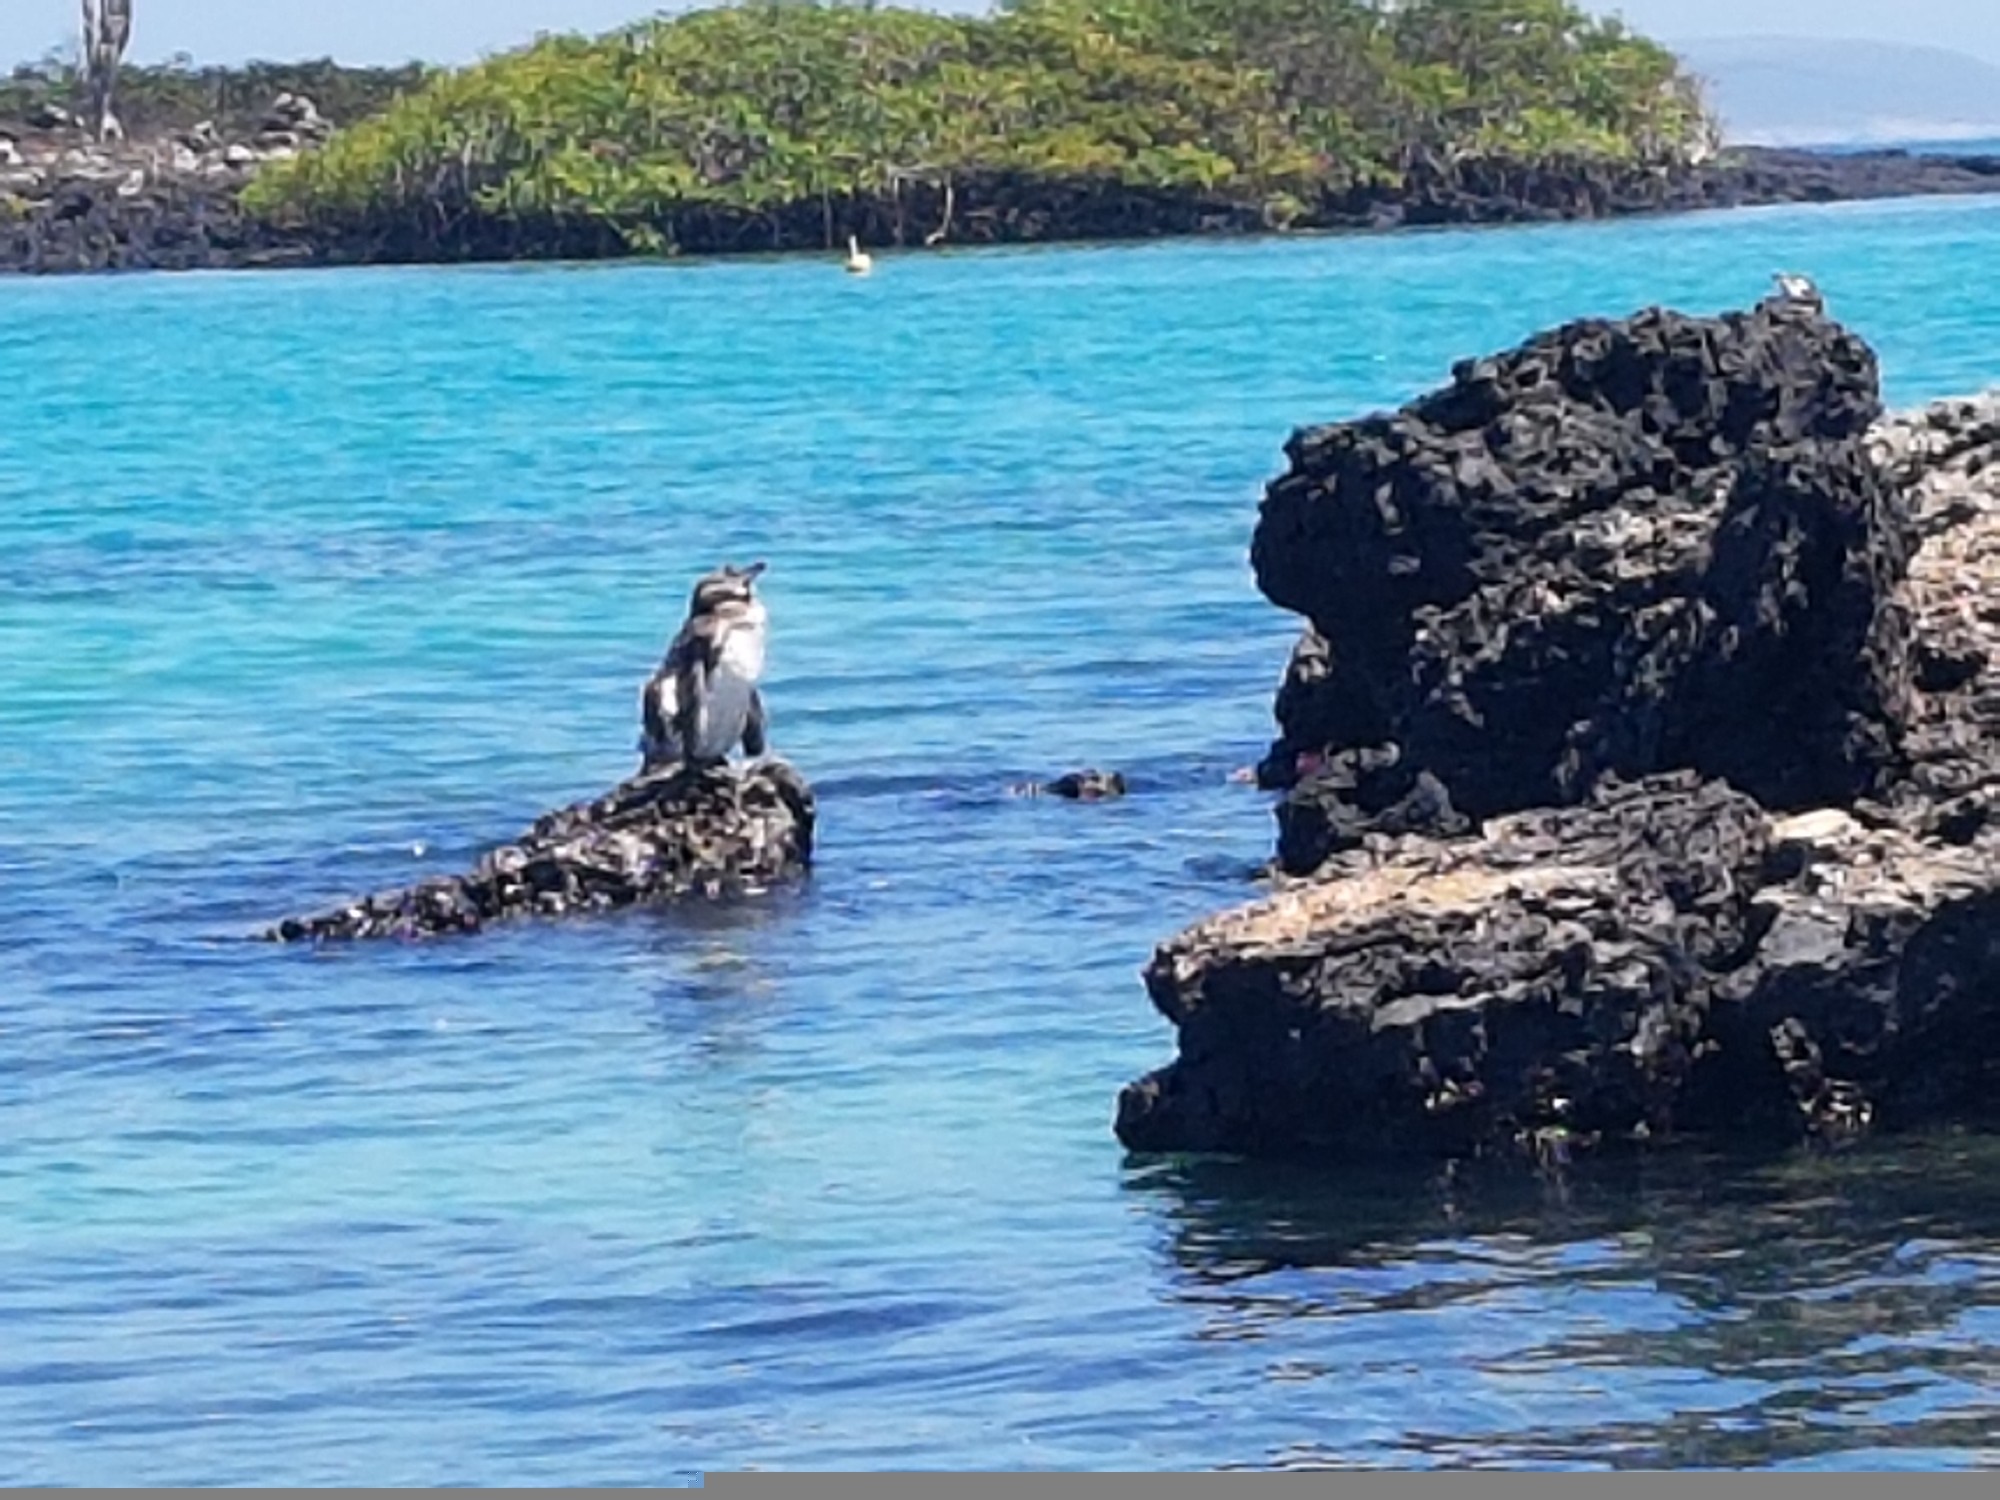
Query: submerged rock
(1702, 839)
(1077, 786)
(720, 831)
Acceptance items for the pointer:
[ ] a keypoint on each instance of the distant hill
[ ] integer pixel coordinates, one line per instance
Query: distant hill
(1793, 91)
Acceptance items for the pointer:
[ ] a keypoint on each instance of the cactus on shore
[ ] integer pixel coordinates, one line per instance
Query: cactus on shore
(107, 32)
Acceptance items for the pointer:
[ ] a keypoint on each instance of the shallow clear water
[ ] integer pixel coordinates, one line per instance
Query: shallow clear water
(311, 583)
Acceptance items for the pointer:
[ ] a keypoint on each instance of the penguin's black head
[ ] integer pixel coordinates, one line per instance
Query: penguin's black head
(725, 586)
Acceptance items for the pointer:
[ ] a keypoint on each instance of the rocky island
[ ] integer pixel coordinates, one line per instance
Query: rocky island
(1639, 764)
(770, 126)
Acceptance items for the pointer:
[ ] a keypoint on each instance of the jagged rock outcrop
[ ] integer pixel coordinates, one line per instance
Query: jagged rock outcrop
(1874, 987)
(1945, 459)
(1429, 993)
(1622, 548)
(292, 122)
(1668, 957)
(725, 831)
(1489, 192)
(1663, 933)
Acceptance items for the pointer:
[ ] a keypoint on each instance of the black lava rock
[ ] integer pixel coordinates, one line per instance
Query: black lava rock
(1637, 958)
(1623, 548)
(711, 833)
(1436, 996)
(1078, 786)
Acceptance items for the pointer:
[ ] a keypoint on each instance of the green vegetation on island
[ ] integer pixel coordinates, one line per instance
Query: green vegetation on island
(784, 125)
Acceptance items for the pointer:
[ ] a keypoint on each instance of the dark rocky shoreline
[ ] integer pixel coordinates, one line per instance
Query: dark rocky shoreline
(1640, 761)
(170, 202)
(174, 203)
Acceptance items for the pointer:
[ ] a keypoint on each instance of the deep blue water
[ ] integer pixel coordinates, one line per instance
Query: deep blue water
(311, 583)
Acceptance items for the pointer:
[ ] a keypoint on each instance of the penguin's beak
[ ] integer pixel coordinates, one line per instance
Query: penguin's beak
(755, 571)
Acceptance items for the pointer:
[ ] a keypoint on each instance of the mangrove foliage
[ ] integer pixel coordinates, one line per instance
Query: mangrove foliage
(788, 125)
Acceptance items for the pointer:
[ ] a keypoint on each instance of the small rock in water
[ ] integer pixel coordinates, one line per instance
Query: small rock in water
(1077, 786)
(1088, 786)
(720, 831)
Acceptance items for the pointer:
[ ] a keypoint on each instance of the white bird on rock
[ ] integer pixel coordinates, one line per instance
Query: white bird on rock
(1796, 288)
(859, 261)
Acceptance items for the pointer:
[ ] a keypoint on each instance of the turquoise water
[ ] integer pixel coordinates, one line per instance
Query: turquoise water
(311, 583)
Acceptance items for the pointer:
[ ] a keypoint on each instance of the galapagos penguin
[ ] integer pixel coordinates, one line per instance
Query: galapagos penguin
(703, 699)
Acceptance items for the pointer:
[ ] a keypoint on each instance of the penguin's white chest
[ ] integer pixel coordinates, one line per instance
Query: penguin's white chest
(724, 712)
(743, 648)
(726, 709)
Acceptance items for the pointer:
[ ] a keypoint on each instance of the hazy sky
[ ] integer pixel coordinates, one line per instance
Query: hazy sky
(455, 30)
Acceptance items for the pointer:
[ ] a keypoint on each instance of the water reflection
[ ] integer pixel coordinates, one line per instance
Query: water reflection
(716, 987)
(1688, 1310)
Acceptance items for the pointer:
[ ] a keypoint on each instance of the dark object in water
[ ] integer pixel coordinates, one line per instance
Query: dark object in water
(713, 832)
(1077, 786)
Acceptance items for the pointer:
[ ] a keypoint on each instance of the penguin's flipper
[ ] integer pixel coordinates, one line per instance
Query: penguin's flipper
(654, 713)
(659, 713)
(754, 726)
(691, 703)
